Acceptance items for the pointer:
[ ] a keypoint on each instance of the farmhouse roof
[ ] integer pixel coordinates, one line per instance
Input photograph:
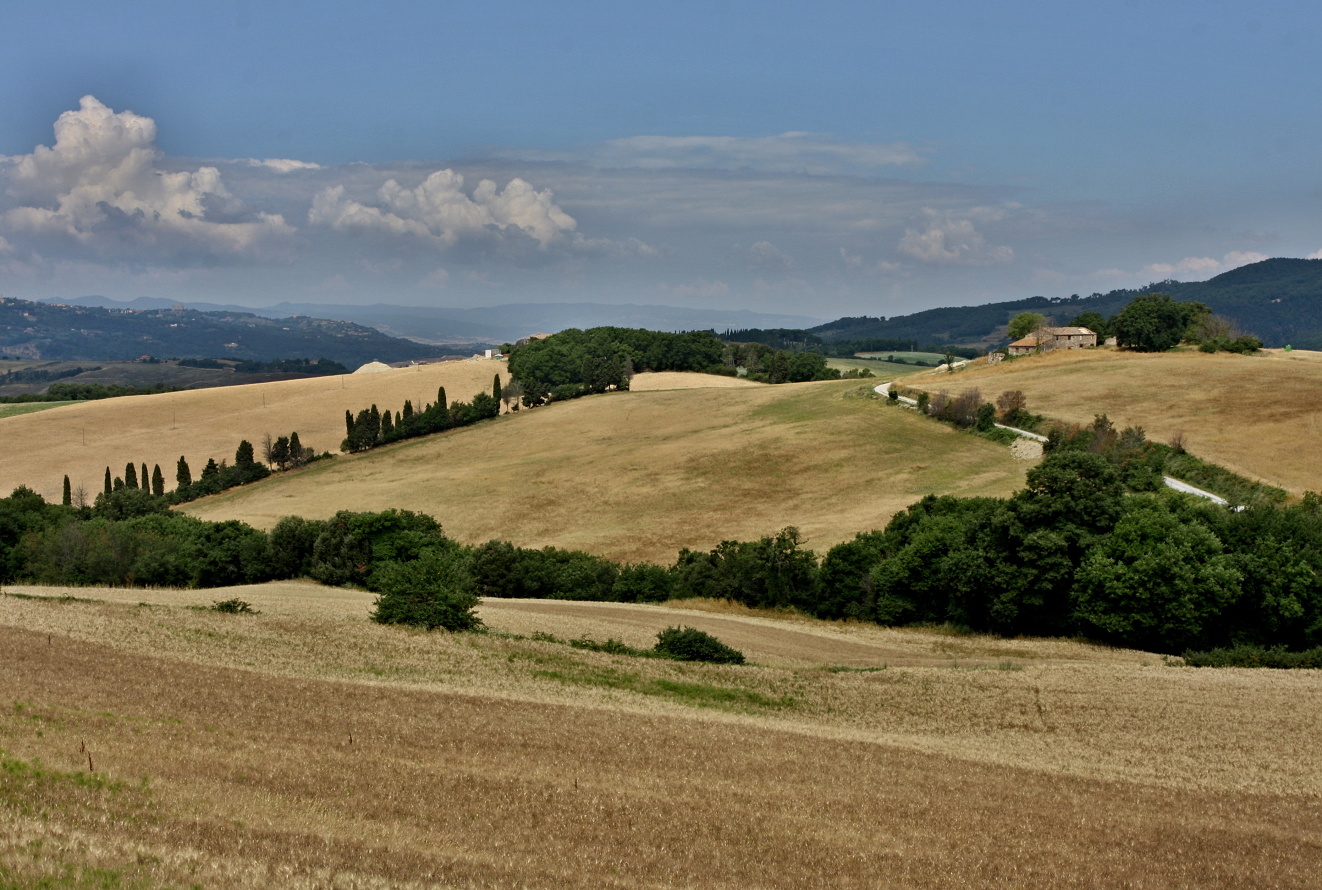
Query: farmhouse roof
(1068, 331)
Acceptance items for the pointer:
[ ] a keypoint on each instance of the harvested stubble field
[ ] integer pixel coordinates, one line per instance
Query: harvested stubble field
(1260, 415)
(305, 746)
(638, 475)
(83, 438)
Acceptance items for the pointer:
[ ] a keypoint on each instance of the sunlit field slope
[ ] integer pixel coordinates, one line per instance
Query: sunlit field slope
(1260, 416)
(81, 440)
(146, 743)
(638, 475)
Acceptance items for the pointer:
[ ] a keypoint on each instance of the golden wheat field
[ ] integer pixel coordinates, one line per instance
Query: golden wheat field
(81, 440)
(150, 742)
(1260, 415)
(638, 475)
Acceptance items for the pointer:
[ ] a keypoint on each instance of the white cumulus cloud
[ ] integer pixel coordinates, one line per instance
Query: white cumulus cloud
(951, 238)
(440, 211)
(1199, 268)
(283, 165)
(100, 187)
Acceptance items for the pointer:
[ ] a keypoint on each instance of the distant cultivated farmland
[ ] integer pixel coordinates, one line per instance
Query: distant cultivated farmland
(82, 439)
(1260, 416)
(638, 475)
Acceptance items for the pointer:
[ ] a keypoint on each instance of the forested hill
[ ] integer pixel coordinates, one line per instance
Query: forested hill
(1279, 300)
(80, 333)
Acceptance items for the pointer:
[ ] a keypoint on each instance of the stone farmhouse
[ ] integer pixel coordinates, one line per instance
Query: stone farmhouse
(1047, 339)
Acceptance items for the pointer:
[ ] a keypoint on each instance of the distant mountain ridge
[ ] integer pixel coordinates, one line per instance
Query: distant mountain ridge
(488, 324)
(1279, 300)
(84, 333)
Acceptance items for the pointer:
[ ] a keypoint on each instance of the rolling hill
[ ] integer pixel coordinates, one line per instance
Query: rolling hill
(1260, 415)
(81, 440)
(639, 475)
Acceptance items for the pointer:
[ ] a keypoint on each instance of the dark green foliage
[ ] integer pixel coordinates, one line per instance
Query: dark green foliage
(433, 590)
(243, 455)
(1246, 656)
(125, 503)
(373, 427)
(1155, 322)
(349, 546)
(130, 476)
(316, 367)
(495, 388)
(292, 544)
(502, 570)
(67, 499)
(80, 392)
(183, 476)
(1155, 582)
(109, 485)
(157, 481)
(845, 582)
(770, 573)
(234, 607)
(1025, 323)
(691, 644)
(24, 512)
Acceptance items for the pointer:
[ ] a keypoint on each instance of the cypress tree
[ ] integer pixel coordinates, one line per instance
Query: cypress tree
(107, 480)
(398, 419)
(157, 481)
(373, 428)
(495, 388)
(142, 477)
(183, 476)
(440, 399)
(408, 409)
(68, 493)
(244, 455)
(295, 450)
(119, 484)
(130, 475)
(348, 424)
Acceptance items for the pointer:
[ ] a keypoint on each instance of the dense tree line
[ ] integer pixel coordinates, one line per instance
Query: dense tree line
(372, 427)
(84, 392)
(1076, 552)
(574, 363)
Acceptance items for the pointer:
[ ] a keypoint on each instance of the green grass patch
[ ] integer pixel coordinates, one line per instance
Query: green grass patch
(1218, 480)
(702, 695)
(29, 407)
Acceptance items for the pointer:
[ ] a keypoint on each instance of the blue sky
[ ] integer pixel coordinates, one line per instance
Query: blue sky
(823, 158)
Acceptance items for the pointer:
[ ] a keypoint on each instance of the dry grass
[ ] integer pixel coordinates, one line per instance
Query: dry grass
(307, 747)
(1260, 416)
(661, 380)
(638, 475)
(82, 439)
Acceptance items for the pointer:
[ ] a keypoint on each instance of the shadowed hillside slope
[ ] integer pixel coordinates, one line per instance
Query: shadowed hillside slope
(1260, 416)
(638, 475)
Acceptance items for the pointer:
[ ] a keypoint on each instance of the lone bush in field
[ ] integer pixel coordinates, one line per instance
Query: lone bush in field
(691, 644)
(234, 607)
(434, 590)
